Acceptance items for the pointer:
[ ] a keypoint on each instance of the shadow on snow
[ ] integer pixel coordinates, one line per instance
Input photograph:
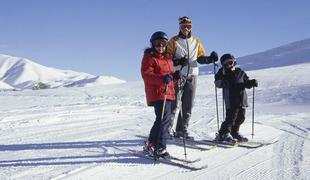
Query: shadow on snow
(104, 156)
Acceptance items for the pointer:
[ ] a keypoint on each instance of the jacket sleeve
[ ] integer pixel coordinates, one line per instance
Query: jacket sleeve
(148, 71)
(246, 81)
(219, 78)
(171, 47)
(201, 49)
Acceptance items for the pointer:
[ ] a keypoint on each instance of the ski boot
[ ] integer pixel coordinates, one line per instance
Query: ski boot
(163, 153)
(185, 135)
(226, 138)
(149, 148)
(240, 138)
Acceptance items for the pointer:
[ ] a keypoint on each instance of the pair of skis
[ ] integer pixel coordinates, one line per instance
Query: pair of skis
(198, 144)
(223, 144)
(171, 160)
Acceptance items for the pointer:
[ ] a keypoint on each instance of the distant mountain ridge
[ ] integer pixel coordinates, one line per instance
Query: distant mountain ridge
(22, 73)
(293, 53)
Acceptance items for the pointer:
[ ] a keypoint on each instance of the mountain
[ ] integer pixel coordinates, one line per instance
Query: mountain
(294, 53)
(5, 86)
(23, 73)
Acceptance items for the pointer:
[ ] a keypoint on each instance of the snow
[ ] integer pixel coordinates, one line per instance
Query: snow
(23, 73)
(81, 132)
(82, 126)
(5, 86)
(290, 54)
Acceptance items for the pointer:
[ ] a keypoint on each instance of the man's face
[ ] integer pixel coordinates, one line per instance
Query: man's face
(185, 28)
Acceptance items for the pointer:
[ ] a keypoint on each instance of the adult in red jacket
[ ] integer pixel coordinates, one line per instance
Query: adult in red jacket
(158, 74)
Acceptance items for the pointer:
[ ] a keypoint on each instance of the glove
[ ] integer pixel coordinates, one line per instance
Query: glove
(182, 61)
(168, 78)
(213, 57)
(253, 83)
(177, 75)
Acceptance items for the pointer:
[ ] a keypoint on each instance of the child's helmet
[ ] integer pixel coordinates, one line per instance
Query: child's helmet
(227, 56)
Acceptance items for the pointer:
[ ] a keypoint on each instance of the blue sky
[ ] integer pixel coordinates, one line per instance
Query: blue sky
(107, 37)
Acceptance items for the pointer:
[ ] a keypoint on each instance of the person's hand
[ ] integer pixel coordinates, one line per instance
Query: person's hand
(182, 61)
(214, 56)
(253, 83)
(168, 78)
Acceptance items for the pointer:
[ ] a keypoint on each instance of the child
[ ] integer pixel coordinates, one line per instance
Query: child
(157, 73)
(233, 80)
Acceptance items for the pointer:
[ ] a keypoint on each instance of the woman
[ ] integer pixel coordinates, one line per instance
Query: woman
(157, 73)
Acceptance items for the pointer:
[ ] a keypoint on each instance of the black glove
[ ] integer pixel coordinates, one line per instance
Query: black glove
(177, 75)
(168, 78)
(182, 61)
(252, 83)
(213, 57)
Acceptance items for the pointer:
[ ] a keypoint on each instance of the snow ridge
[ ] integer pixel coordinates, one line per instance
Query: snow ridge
(23, 73)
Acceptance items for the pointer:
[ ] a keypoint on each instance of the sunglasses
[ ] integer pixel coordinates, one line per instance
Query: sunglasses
(187, 26)
(229, 63)
(160, 43)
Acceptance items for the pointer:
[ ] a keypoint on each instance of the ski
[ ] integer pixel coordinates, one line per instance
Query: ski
(190, 143)
(248, 144)
(184, 160)
(223, 144)
(173, 161)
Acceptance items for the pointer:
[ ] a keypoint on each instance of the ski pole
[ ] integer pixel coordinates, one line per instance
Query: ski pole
(216, 102)
(184, 144)
(161, 120)
(181, 108)
(253, 113)
(223, 103)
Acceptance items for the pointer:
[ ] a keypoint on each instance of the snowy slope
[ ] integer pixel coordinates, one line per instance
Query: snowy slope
(23, 73)
(81, 133)
(5, 86)
(290, 54)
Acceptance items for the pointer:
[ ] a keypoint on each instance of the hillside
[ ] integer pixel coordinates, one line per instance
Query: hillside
(84, 133)
(23, 73)
(294, 53)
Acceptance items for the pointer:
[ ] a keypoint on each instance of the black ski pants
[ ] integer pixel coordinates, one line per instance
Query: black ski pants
(234, 118)
(160, 126)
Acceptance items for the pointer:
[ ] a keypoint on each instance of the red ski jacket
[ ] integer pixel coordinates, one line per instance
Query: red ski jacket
(153, 70)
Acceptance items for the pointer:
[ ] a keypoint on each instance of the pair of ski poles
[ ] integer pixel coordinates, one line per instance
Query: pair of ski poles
(216, 103)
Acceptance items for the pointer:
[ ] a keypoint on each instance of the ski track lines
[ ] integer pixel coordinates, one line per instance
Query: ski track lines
(76, 125)
(293, 151)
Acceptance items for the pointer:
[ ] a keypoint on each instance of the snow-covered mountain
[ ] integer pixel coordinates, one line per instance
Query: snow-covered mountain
(290, 54)
(22, 73)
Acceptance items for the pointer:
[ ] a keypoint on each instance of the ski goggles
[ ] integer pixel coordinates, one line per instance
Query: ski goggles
(229, 62)
(184, 19)
(160, 43)
(187, 26)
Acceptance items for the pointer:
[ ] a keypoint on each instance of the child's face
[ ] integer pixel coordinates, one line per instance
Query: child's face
(229, 64)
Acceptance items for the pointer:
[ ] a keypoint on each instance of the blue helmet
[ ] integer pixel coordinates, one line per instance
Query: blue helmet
(159, 35)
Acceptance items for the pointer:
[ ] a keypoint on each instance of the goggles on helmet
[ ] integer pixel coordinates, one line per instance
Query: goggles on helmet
(184, 19)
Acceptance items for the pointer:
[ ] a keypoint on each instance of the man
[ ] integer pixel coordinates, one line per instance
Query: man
(186, 51)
